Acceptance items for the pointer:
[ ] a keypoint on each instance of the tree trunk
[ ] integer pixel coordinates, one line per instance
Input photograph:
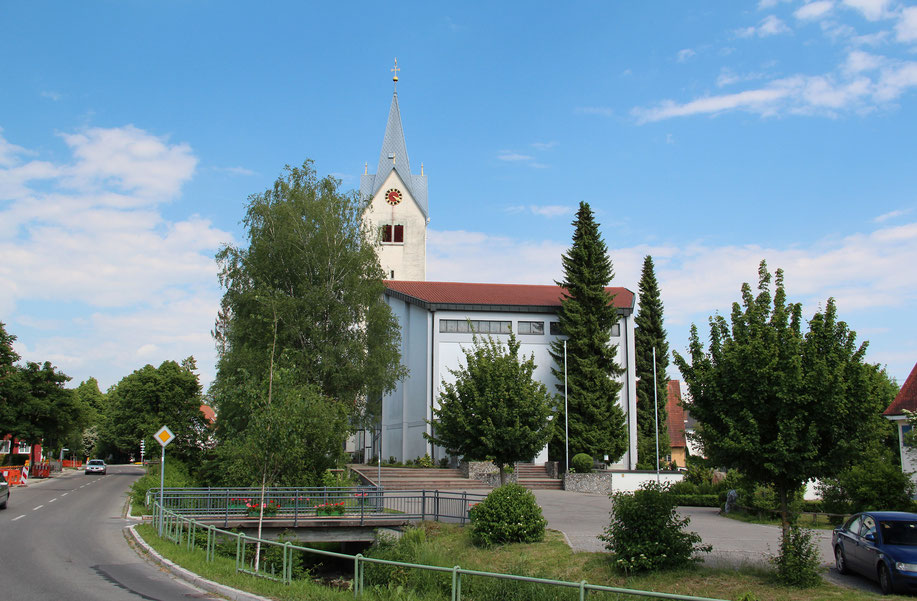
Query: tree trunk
(502, 474)
(784, 512)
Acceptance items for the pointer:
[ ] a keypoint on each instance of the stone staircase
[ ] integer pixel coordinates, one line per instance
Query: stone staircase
(535, 477)
(411, 478)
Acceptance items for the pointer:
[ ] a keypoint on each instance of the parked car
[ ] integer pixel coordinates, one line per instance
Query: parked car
(881, 545)
(4, 492)
(96, 466)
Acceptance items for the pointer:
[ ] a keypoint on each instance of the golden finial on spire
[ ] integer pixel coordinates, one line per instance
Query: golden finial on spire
(365, 168)
(395, 70)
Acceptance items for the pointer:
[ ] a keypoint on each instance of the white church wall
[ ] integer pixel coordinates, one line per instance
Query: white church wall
(407, 260)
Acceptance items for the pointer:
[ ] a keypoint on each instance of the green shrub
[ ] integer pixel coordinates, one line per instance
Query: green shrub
(797, 564)
(696, 500)
(647, 534)
(176, 476)
(509, 514)
(872, 485)
(698, 474)
(582, 463)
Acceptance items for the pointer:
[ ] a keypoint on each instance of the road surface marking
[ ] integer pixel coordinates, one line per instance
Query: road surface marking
(65, 494)
(37, 508)
(17, 518)
(52, 500)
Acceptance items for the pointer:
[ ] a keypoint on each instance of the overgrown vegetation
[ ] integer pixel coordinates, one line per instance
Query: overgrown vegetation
(798, 561)
(448, 545)
(647, 534)
(509, 514)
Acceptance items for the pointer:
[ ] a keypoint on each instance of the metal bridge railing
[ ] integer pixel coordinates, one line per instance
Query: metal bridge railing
(184, 530)
(366, 503)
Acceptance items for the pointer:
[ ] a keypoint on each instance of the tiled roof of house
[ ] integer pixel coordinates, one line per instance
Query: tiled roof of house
(506, 295)
(907, 396)
(209, 414)
(676, 415)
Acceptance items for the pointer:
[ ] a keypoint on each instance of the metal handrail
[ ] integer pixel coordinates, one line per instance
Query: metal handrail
(175, 527)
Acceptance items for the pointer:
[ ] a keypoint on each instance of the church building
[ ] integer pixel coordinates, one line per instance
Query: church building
(439, 319)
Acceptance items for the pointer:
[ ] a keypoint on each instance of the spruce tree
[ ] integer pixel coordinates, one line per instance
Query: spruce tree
(650, 334)
(587, 314)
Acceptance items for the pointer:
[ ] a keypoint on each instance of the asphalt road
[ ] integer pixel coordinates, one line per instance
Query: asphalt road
(62, 538)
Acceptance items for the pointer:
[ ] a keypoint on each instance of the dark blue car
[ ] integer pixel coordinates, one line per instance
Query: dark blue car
(881, 545)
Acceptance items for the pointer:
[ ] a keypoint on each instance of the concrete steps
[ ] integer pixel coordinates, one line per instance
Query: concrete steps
(410, 478)
(535, 477)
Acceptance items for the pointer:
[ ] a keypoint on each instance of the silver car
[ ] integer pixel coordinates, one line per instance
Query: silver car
(96, 466)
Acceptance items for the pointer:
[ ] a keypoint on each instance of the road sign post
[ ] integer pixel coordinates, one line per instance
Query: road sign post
(164, 436)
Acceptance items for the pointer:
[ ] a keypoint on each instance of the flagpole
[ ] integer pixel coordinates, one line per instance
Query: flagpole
(656, 412)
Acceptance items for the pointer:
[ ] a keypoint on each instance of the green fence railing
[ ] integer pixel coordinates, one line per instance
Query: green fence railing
(183, 530)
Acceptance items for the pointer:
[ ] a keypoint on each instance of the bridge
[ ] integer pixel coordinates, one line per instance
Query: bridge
(351, 514)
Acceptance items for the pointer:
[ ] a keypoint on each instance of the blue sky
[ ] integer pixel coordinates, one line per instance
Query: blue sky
(709, 135)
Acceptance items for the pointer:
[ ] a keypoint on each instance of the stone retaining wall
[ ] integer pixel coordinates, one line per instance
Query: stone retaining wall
(593, 482)
(604, 482)
(486, 472)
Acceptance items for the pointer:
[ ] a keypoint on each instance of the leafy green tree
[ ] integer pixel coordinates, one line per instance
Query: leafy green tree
(586, 316)
(146, 400)
(495, 410)
(780, 406)
(47, 412)
(650, 334)
(310, 267)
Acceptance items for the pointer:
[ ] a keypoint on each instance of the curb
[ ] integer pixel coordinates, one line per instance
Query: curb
(188, 576)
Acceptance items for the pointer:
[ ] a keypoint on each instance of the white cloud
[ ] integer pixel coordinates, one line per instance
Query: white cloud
(88, 232)
(240, 171)
(55, 96)
(861, 83)
(513, 157)
(814, 10)
(544, 145)
(891, 215)
(865, 272)
(684, 54)
(769, 25)
(906, 28)
(873, 10)
(728, 77)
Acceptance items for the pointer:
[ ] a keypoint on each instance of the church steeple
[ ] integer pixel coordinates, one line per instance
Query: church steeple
(394, 156)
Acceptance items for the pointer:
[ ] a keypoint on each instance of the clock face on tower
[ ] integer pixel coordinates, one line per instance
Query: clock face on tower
(393, 196)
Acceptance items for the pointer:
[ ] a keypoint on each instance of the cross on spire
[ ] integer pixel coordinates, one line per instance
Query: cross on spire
(395, 70)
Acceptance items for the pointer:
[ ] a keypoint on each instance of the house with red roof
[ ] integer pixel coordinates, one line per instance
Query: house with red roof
(906, 400)
(439, 319)
(678, 443)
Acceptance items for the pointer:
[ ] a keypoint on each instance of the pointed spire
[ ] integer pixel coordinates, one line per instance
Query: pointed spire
(394, 156)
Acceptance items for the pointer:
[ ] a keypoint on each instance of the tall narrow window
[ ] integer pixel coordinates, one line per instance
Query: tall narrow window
(399, 233)
(386, 233)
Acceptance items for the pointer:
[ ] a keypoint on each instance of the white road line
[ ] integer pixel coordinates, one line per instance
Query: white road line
(52, 500)
(65, 494)
(17, 518)
(37, 508)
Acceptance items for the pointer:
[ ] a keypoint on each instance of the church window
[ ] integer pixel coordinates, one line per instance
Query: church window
(393, 234)
(616, 330)
(474, 326)
(556, 330)
(531, 327)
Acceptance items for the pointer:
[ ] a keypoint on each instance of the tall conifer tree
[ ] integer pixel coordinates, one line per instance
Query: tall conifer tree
(587, 315)
(650, 334)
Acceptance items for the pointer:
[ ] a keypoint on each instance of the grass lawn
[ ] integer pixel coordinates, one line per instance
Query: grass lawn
(813, 521)
(449, 545)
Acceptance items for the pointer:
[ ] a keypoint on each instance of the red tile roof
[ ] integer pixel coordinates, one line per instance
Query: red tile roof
(907, 396)
(462, 293)
(676, 418)
(209, 414)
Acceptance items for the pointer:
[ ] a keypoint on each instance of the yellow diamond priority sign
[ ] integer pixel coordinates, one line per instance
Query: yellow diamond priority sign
(164, 436)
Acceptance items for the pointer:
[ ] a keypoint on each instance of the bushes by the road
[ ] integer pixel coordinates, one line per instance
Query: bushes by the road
(646, 533)
(797, 563)
(509, 514)
(696, 500)
(869, 486)
(176, 476)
